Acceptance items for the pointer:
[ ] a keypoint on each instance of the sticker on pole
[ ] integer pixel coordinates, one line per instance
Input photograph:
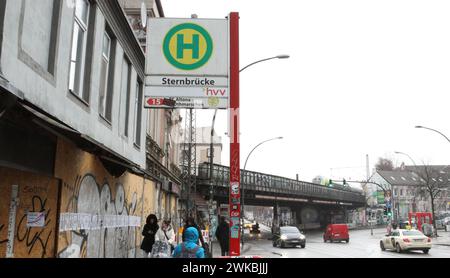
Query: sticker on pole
(235, 227)
(235, 188)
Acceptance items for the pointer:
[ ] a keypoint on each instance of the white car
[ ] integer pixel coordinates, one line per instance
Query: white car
(403, 240)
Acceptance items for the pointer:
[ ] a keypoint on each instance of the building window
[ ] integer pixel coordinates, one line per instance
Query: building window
(395, 192)
(138, 113)
(106, 77)
(78, 53)
(401, 192)
(125, 97)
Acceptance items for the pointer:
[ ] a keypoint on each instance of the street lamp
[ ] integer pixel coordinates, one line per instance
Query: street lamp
(283, 56)
(245, 166)
(415, 166)
(437, 131)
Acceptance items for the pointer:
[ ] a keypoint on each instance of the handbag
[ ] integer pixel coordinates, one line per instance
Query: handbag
(171, 246)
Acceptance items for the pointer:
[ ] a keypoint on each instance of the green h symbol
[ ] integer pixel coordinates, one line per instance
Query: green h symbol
(194, 46)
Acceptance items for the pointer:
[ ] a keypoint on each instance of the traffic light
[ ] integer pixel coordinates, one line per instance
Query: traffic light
(385, 211)
(330, 182)
(344, 181)
(389, 213)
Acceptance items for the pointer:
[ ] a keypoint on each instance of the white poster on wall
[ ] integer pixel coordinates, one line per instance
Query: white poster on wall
(36, 219)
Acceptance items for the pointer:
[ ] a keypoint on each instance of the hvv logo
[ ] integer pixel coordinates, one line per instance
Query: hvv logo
(216, 92)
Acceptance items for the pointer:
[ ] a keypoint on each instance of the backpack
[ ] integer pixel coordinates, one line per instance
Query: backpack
(188, 253)
(160, 250)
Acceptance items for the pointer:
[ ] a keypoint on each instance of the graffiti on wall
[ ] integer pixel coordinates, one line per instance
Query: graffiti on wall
(98, 222)
(2, 241)
(36, 238)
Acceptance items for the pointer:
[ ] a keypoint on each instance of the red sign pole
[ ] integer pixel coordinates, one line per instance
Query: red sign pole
(235, 172)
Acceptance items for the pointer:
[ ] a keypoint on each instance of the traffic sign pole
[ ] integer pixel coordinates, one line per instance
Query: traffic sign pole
(235, 171)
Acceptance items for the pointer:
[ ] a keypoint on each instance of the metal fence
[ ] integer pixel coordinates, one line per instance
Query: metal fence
(274, 184)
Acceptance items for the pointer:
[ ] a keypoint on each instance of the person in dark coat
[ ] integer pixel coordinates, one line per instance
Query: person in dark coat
(190, 222)
(149, 232)
(222, 235)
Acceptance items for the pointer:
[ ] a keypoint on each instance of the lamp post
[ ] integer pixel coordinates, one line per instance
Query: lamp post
(432, 205)
(437, 131)
(282, 56)
(415, 166)
(231, 145)
(243, 193)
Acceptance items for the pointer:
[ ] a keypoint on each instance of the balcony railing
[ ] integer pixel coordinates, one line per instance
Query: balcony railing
(153, 149)
(274, 184)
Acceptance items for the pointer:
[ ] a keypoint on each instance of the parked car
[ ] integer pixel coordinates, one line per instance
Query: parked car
(336, 232)
(289, 236)
(401, 240)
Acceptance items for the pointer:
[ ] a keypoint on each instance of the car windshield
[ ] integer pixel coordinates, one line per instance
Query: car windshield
(289, 230)
(412, 233)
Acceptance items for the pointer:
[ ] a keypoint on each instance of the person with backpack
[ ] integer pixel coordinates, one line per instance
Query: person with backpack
(189, 247)
(166, 234)
(149, 232)
(190, 222)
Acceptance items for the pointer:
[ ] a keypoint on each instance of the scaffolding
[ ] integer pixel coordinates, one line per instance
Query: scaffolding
(189, 162)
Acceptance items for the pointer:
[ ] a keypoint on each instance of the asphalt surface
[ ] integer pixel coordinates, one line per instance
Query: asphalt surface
(362, 245)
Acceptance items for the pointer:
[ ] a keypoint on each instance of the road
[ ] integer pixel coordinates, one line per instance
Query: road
(361, 245)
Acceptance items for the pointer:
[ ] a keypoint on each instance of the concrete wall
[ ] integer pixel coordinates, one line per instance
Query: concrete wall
(25, 63)
(35, 193)
(88, 190)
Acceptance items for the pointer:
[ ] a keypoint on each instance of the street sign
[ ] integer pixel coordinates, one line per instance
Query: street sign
(183, 102)
(188, 58)
(197, 92)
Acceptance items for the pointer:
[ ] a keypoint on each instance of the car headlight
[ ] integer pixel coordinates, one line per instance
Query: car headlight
(283, 237)
(302, 237)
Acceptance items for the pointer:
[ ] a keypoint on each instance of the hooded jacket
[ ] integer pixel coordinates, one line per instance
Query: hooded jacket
(191, 238)
(149, 232)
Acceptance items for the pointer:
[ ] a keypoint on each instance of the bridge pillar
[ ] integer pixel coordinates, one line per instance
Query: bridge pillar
(297, 216)
(276, 217)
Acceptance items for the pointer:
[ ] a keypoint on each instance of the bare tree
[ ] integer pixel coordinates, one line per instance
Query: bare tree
(384, 164)
(433, 183)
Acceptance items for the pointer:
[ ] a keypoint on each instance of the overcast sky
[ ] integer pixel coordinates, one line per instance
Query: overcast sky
(361, 75)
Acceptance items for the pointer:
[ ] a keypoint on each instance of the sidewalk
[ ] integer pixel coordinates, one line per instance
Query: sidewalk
(249, 249)
(442, 239)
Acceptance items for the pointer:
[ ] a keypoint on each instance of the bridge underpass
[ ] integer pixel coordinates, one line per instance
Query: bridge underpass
(309, 205)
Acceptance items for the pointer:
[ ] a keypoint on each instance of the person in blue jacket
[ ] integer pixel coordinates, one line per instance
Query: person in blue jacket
(189, 248)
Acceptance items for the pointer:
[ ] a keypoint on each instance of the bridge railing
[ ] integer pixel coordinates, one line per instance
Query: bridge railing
(274, 184)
